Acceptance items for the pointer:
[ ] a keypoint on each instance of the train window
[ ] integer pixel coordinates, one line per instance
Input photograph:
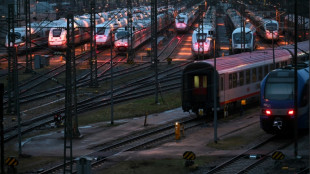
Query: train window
(222, 83)
(204, 81)
(101, 30)
(241, 78)
(254, 77)
(76, 32)
(260, 73)
(57, 32)
(230, 81)
(265, 70)
(304, 99)
(234, 80)
(247, 77)
(279, 88)
(200, 81)
(196, 81)
(277, 65)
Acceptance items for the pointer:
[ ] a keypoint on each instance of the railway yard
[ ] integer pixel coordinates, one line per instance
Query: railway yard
(132, 116)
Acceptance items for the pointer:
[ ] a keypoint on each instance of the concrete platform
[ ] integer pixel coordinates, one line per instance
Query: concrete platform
(51, 144)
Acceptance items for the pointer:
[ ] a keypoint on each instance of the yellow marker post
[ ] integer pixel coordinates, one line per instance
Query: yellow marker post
(243, 102)
(177, 131)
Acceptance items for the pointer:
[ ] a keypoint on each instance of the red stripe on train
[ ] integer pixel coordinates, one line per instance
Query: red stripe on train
(239, 98)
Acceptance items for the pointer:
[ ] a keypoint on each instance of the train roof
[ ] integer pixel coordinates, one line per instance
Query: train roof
(246, 29)
(266, 21)
(238, 62)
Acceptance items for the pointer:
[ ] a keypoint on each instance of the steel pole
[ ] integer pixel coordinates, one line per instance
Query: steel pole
(273, 58)
(214, 97)
(1, 124)
(111, 67)
(309, 76)
(295, 86)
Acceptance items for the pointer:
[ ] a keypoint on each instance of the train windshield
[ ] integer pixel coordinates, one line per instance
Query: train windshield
(17, 35)
(279, 86)
(122, 34)
(57, 32)
(181, 20)
(238, 40)
(271, 26)
(201, 37)
(101, 30)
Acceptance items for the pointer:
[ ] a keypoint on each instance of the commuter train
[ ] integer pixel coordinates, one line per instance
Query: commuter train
(238, 78)
(184, 20)
(204, 37)
(277, 100)
(39, 35)
(266, 28)
(242, 38)
(141, 32)
(104, 31)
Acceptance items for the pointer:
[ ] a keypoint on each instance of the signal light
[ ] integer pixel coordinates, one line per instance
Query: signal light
(268, 112)
(291, 112)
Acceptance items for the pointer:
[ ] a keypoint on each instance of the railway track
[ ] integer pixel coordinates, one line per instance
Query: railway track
(247, 163)
(131, 90)
(139, 140)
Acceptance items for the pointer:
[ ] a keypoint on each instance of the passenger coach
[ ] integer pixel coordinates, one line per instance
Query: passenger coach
(238, 78)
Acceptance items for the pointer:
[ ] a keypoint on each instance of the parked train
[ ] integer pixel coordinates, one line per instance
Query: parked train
(39, 35)
(104, 31)
(184, 20)
(141, 32)
(277, 100)
(238, 78)
(242, 38)
(202, 44)
(266, 28)
(58, 34)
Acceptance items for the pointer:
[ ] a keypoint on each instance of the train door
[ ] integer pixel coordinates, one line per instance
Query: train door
(200, 85)
(222, 88)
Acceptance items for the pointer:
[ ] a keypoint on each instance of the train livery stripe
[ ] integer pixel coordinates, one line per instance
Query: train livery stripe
(239, 98)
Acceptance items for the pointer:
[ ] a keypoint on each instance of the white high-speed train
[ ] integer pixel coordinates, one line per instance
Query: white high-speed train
(141, 32)
(39, 35)
(266, 28)
(242, 38)
(202, 44)
(184, 20)
(104, 31)
(58, 34)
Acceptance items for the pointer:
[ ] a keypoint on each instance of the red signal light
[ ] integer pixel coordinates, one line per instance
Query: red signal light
(268, 112)
(291, 112)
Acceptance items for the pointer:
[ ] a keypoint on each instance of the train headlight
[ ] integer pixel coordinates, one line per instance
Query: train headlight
(291, 112)
(268, 112)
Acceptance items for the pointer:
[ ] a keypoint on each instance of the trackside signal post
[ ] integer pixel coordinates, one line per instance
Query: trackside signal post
(68, 97)
(154, 44)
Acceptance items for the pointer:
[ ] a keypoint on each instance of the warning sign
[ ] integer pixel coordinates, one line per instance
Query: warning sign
(189, 155)
(11, 161)
(277, 155)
